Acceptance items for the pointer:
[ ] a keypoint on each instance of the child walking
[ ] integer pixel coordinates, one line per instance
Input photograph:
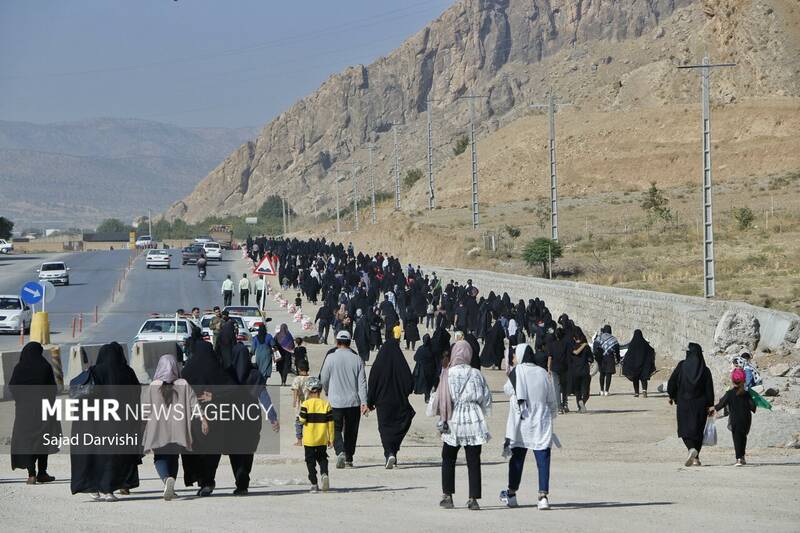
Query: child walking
(299, 395)
(740, 407)
(316, 416)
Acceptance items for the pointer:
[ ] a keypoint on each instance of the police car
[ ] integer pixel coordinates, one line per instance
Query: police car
(250, 314)
(164, 328)
(242, 333)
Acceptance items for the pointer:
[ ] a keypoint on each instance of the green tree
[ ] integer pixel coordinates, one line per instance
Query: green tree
(461, 145)
(412, 176)
(656, 204)
(744, 217)
(539, 251)
(6, 226)
(271, 208)
(113, 225)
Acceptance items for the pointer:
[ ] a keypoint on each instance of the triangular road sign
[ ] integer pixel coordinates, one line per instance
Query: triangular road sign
(265, 267)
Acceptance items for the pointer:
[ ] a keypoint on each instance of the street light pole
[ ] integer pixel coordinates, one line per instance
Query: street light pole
(552, 106)
(431, 193)
(709, 285)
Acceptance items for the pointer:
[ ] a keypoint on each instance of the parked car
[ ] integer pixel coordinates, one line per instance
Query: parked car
(158, 258)
(242, 334)
(14, 314)
(164, 328)
(213, 251)
(146, 241)
(6, 247)
(250, 314)
(56, 272)
(190, 254)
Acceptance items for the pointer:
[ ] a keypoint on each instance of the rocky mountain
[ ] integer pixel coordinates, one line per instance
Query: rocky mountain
(616, 54)
(77, 173)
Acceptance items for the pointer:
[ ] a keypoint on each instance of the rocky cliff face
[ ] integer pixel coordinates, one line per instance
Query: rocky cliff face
(510, 51)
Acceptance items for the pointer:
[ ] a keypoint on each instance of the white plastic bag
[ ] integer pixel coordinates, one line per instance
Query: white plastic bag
(710, 432)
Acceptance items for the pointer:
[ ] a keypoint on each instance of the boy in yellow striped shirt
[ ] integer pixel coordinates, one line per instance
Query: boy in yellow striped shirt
(316, 416)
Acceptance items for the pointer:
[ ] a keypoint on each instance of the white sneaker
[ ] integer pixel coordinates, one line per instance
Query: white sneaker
(390, 462)
(109, 497)
(96, 497)
(510, 501)
(169, 489)
(544, 505)
(340, 460)
(692, 457)
(326, 483)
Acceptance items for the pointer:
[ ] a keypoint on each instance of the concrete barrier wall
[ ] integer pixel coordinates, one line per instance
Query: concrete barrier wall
(38, 247)
(145, 356)
(8, 360)
(668, 321)
(177, 243)
(81, 357)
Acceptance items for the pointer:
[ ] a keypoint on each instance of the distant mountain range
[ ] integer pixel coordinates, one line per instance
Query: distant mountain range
(74, 174)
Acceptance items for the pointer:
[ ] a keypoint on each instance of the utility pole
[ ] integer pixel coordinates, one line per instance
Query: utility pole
(150, 223)
(396, 167)
(338, 220)
(371, 147)
(355, 198)
(471, 97)
(283, 213)
(551, 106)
(709, 289)
(431, 193)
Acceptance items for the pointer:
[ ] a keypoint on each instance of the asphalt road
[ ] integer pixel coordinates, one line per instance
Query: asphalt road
(93, 276)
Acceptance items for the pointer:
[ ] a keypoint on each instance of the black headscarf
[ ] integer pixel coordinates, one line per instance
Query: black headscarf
(639, 361)
(390, 379)
(112, 367)
(693, 367)
(33, 368)
(203, 368)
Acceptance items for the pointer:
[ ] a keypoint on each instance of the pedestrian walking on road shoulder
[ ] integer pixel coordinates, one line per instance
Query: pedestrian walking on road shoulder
(227, 291)
(316, 418)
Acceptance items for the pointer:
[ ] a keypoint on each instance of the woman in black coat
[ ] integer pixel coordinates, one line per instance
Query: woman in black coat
(411, 328)
(425, 375)
(32, 381)
(494, 348)
(579, 362)
(639, 362)
(691, 387)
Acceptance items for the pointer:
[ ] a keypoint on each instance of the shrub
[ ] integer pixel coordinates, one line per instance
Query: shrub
(656, 204)
(744, 217)
(461, 145)
(412, 176)
(539, 251)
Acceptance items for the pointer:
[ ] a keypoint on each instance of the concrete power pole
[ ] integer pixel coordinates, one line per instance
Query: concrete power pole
(355, 198)
(150, 223)
(471, 97)
(709, 288)
(283, 214)
(338, 219)
(431, 193)
(371, 147)
(396, 168)
(552, 106)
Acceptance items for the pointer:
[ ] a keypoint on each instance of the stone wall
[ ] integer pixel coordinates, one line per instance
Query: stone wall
(668, 321)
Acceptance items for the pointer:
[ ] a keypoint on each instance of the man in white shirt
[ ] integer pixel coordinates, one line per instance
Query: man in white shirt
(227, 291)
(244, 290)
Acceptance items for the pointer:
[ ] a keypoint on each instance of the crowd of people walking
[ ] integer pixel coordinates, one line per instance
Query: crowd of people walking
(371, 303)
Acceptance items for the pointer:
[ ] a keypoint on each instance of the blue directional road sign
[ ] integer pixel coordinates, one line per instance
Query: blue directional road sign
(31, 293)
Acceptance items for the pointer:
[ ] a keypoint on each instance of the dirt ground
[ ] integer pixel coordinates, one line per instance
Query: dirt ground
(620, 469)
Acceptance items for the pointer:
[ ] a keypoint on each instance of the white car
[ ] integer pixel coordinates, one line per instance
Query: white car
(6, 247)
(203, 240)
(56, 272)
(14, 314)
(164, 329)
(158, 258)
(250, 315)
(145, 241)
(213, 251)
(242, 334)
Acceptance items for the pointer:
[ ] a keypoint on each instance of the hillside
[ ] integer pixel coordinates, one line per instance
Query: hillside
(84, 171)
(615, 57)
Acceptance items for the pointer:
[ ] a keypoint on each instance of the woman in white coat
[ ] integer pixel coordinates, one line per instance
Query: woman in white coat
(532, 408)
(462, 402)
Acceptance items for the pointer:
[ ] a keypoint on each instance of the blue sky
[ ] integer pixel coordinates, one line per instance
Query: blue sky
(192, 62)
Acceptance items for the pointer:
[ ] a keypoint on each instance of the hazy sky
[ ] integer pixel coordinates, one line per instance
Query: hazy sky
(191, 62)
